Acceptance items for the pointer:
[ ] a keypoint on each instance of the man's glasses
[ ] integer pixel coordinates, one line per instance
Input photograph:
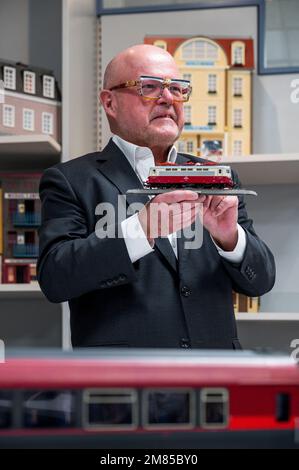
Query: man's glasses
(151, 88)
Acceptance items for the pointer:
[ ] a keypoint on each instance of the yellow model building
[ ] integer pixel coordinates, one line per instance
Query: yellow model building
(218, 113)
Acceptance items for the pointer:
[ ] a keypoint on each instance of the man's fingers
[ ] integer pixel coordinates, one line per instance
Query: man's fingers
(178, 196)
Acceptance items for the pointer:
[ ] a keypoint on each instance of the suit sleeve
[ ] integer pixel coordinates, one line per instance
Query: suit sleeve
(255, 275)
(73, 261)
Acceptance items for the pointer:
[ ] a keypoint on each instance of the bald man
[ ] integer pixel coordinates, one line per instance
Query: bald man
(128, 277)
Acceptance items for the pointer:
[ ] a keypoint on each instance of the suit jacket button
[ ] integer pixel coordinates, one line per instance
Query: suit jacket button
(185, 343)
(185, 291)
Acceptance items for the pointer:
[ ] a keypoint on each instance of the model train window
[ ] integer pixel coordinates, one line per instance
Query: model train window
(5, 409)
(49, 409)
(168, 408)
(282, 407)
(110, 408)
(214, 407)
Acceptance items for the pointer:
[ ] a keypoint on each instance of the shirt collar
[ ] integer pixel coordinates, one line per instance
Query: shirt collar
(140, 155)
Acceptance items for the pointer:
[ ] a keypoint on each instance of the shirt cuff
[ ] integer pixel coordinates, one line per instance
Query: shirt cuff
(235, 256)
(135, 239)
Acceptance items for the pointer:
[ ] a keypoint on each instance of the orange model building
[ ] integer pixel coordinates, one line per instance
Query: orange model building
(218, 113)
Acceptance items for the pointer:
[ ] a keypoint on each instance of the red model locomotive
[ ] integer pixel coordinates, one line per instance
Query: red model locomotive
(191, 175)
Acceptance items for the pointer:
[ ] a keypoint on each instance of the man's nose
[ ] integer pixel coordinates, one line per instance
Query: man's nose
(166, 96)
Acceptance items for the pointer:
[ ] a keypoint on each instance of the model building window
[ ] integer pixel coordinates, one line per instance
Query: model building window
(214, 409)
(9, 74)
(29, 82)
(187, 114)
(161, 44)
(28, 119)
(212, 112)
(48, 86)
(181, 146)
(8, 115)
(212, 83)
(187, 76)
(47, 123)
(238, 118)
(238, 53)
(237, 148)
(190, 146)
(199, 49)
(237, 86)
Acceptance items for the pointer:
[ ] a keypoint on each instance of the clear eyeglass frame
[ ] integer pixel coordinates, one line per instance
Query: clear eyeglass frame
(176, 87)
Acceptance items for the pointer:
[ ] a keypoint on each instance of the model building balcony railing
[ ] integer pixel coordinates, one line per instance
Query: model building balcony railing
(29, 219)
(27, 250)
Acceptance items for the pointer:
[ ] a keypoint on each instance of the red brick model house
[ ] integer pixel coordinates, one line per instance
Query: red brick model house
(31, 102)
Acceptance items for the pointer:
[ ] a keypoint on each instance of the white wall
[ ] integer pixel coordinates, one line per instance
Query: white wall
(31, 33)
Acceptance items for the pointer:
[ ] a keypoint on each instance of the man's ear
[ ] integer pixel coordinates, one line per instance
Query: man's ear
(108, 102)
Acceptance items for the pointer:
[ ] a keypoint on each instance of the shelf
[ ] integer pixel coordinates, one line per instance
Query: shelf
(268, 316)
(18, 291)
(265, 168)
(32, 151)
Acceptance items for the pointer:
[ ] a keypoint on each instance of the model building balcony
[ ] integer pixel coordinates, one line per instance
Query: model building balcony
(26, 250)
(29, 219)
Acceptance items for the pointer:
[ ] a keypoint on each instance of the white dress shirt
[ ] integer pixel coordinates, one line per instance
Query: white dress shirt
(141, 159)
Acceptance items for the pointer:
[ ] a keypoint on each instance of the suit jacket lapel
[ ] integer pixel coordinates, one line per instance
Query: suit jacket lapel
(113, 164)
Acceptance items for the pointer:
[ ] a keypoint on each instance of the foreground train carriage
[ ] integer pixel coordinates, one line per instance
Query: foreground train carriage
(149, 399)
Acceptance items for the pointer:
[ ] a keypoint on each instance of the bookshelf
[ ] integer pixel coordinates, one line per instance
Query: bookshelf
(20, 291)
(271, 173)
(30, 34)
(267, 316)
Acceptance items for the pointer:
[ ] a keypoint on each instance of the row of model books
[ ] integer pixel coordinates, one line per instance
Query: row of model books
(20, 217)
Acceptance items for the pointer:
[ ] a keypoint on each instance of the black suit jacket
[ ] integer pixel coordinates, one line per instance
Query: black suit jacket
(155, 302)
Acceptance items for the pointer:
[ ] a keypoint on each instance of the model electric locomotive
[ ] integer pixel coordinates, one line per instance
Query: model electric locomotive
(191, 175)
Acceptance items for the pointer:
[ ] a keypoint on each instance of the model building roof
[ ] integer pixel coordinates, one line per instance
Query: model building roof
(173, 42)
(39, 72)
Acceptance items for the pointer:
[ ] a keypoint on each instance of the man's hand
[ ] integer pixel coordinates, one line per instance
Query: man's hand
(220, 217)
(169, 212)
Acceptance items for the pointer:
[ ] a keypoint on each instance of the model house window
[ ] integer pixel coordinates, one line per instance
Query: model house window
(29, 82)
(199, 49)
(28, 119)
(8, 115)
(187, 113)
(212, 83)
(238, 118)
(181, 146)
(237, 148)
(187, 76)
(47, 123)
(161, 44)
(212, 118)
(190, 146)
(48, 86)
(9, 75)
(238, 53)
(237, 86)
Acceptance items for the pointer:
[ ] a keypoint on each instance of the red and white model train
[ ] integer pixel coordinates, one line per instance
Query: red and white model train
(190, 175)
(149, 399)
